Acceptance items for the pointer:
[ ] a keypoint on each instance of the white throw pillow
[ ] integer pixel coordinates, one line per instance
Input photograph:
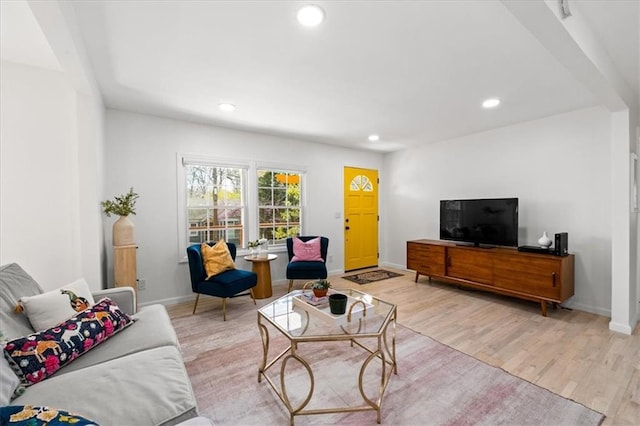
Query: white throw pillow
(51, 308)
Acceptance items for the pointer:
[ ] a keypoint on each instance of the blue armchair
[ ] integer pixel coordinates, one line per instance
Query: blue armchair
(307, 270)
(225, 285)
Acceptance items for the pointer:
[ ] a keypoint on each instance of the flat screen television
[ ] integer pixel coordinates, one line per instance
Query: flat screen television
(492, 221)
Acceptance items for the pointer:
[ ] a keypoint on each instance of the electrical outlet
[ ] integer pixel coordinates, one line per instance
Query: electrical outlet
(142, 284)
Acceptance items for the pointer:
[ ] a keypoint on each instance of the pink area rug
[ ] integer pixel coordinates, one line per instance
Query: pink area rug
(435, 385)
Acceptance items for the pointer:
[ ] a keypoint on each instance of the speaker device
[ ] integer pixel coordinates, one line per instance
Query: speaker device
(561, 247)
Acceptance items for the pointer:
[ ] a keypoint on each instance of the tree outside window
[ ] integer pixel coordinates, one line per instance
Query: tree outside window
(215, 204)
(279, 207)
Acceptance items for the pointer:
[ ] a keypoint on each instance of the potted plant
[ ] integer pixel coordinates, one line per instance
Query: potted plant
(123, 205)
(257, 244)
(320, 288)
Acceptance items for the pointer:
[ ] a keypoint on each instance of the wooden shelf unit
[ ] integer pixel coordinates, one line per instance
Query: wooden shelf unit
(124, 266)
(539, 277)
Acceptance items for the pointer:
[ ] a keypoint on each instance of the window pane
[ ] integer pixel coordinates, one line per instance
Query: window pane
(280, 197)
(278, 204)
(265, 196)
(215, 204)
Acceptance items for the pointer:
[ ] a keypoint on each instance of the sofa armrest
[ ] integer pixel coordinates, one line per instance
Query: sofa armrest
(124, 297)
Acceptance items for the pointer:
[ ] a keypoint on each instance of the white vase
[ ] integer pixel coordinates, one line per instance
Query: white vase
(544, 241)
(123, 232)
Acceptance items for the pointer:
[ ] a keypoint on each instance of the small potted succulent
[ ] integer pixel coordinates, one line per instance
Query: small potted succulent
(320, 288)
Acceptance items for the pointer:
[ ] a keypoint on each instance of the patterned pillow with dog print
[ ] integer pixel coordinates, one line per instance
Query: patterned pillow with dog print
(39, 355)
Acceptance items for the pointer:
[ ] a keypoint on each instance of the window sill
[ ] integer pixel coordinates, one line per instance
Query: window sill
(245, 252)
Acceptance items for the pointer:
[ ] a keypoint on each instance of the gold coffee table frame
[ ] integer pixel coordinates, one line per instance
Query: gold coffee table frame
(298, 326)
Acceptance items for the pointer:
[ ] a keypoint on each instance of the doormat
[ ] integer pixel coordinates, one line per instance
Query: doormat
(371, 276)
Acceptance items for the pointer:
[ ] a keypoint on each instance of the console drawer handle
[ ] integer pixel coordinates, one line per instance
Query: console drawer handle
(553, 278)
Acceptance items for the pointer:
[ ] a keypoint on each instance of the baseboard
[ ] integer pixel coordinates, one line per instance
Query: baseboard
(170, 301)
(587, 308)
(393, 265)
(620, 328)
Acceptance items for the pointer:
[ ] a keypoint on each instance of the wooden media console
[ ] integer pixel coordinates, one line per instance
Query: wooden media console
(538, 277)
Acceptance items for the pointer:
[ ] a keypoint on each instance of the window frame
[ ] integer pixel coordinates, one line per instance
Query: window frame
(249, 193)
(287, 168)
(184, 160)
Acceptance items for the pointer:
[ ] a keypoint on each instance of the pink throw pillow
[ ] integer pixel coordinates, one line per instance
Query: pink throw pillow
(306, 251)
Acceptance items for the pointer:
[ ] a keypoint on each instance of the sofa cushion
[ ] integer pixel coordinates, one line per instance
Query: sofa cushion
(145, 388)
(28, 415)
(39, 355)
(153, 329)
(306, 270)
(9, 382)
(48, 309)
(14, 284)
(216, 259)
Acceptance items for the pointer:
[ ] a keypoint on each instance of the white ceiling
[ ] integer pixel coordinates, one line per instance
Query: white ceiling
(21, 39)
(414, 72)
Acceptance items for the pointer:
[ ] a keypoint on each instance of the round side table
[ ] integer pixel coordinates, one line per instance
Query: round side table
(261, 266)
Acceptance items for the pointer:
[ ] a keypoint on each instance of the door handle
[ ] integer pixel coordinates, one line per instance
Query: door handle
(346, 228)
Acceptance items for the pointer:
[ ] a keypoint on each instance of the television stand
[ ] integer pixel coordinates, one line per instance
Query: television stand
(541, 278)
(476, 245)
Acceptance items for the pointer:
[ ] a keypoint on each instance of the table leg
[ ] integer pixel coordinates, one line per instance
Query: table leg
(264, 336)
(263, 288)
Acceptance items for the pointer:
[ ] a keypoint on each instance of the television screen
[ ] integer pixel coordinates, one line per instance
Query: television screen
(491, 221)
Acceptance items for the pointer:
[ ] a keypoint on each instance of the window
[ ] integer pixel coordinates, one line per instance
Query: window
(237, 201)
(279, 204)
(215, 203)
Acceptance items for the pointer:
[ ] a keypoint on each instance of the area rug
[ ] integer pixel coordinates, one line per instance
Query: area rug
(435, 384)
(371, 276)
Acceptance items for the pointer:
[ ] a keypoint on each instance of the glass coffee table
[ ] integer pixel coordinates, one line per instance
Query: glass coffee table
(369, 323)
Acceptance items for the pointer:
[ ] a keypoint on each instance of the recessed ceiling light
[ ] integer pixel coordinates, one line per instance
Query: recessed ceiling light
(374, 138)
(491, 103)
(310, 15)
(227, 107)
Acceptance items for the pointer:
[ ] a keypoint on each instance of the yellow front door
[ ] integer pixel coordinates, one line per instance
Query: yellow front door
(360, 218)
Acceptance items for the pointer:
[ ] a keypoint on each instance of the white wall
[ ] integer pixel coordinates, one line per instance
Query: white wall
(141, 153)
(91, 172)
(46, 175)
(559, 168)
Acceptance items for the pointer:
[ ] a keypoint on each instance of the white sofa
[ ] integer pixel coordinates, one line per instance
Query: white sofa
(136, 377)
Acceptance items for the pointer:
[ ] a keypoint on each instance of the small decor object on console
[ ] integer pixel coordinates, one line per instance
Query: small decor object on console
(545, 241)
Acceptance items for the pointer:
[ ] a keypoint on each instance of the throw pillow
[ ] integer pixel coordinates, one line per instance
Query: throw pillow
(216, 259)
(306, 251)
(39, 355)
(28, 415)
(48, 309)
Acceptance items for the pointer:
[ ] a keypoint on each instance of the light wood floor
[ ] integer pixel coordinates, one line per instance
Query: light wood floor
(571, 353)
